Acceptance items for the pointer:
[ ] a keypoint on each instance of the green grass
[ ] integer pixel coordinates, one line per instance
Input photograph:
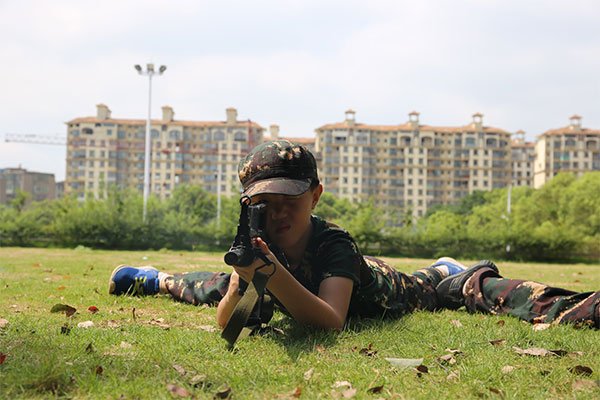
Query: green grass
(137, 357)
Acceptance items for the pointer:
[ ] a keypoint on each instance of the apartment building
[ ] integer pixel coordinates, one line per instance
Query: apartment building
(571, 148)
(412, 165)
(39, 185)
(103, 151)
(523, 157)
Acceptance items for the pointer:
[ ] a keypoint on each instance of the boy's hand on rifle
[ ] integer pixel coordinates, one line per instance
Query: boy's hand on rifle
(247, 273)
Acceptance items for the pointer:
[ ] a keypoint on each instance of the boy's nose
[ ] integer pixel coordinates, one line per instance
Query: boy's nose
(278, 212)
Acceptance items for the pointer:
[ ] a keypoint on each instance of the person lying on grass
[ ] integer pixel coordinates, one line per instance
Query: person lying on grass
(320, 277)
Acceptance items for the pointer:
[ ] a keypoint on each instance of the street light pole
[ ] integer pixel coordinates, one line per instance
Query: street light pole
(148, 72)
(508, 201)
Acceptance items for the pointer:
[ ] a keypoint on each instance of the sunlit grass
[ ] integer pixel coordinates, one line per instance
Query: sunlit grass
(140, 354)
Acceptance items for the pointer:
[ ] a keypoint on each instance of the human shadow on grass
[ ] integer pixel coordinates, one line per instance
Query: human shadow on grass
(300, 339)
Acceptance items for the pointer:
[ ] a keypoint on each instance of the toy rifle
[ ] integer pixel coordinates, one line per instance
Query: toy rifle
(252, 310)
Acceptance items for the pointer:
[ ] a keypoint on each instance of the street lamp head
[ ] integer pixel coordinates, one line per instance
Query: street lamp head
(162, 69)
(138, 68)
(150, 67)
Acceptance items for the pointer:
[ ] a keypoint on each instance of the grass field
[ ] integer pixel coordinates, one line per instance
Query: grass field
(153, 347)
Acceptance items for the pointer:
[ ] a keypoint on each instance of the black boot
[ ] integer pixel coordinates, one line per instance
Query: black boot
(450, 290)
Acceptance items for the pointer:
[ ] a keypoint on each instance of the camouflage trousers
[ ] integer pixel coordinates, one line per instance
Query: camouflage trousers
(198, 287)
(486, 291)
(201, 287)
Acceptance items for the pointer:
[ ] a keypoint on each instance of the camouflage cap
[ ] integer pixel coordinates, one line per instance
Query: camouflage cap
(277, 167)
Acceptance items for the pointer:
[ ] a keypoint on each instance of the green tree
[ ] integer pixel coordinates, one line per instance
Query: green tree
(366, 225)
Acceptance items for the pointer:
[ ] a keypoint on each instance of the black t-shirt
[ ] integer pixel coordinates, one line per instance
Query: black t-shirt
(331, 251)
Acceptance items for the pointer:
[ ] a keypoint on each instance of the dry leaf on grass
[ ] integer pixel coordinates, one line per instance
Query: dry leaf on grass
(178, 390)
(581, 370)
(405, 362)
(534, 351)
(111, 323)
(85, 324)
(507, 369)
(308, 374)
(93, 309)
(157, 322)
(367, 351)
(456, 323)
(89, 348)
(198, 380)
(63, 307)
(179, 369)
(223, 394)
(207, 328)
(99, 370)
(498, 342)
(3, 323)
(455, 375)
(448, 358)
(453, 351)
(125, 345)
(500, 323)
(541, 327)
(494, 390)
(348, 393)
(340, 384)
(320, 348)
(375, 389)
(582, 384)
(421, 369)
(296, 392)
(2, 357)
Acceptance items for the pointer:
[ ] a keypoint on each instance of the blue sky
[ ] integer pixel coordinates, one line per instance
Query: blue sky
(524, 64)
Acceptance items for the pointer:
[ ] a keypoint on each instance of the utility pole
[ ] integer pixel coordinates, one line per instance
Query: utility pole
(149, 72)
(508, 200)
(218, 201)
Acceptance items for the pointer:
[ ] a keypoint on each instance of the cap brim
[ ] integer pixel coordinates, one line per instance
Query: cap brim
(285, 186)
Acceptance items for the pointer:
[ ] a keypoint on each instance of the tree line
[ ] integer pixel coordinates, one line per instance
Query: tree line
(558, 222)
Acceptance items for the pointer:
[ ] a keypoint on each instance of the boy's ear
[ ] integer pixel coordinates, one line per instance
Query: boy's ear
(317, 195)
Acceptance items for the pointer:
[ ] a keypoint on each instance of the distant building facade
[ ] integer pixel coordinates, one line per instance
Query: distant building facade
(569, 149)
(523, 158)
(412, 165)
(103, 151)
(60, 189)
(39, 185)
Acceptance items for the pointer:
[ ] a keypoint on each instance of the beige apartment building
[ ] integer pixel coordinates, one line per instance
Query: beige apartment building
(103, 151)
(572, 149)
(523, 157)
(39, 185)
(412, 165)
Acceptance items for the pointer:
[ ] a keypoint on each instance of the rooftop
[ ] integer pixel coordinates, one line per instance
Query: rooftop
(122, 121)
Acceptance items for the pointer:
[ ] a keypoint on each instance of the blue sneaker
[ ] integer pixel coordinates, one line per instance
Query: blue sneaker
(450, 290)
(128, 280)
(453, 266)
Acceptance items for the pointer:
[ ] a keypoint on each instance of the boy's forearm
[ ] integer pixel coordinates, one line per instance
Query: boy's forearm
(226, 306)
(303, 305)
